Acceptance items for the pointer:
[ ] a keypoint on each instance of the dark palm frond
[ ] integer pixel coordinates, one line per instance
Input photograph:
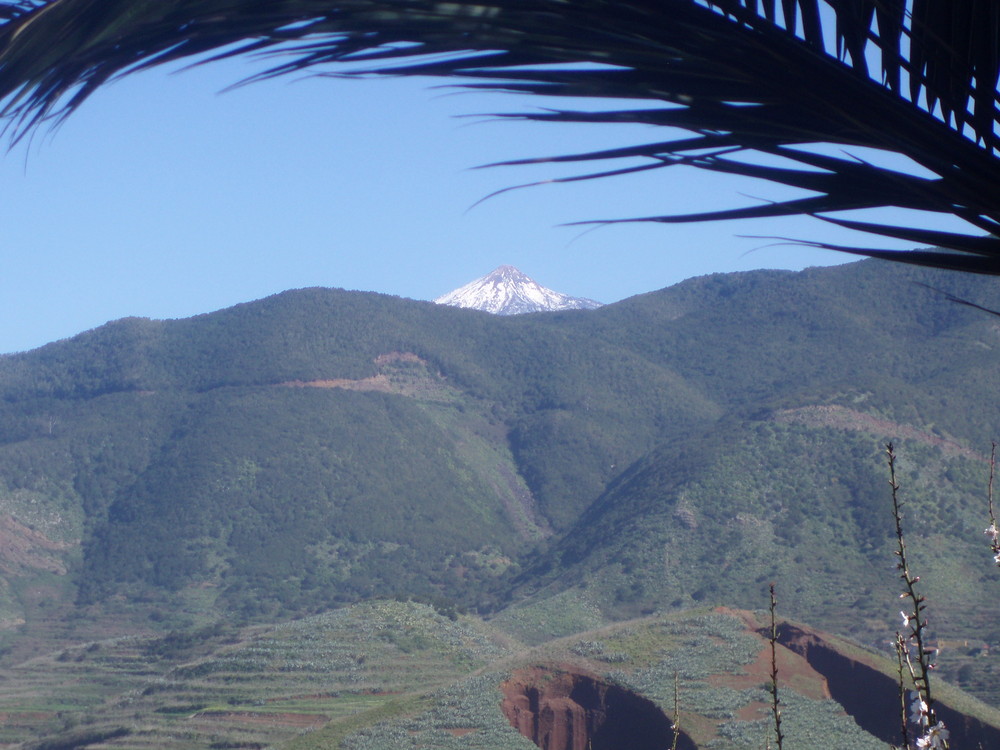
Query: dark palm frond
(749, 80)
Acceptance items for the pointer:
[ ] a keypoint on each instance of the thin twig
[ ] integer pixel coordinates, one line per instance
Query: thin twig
(915, 621)
(992, 531)
(676, 726)
(904, 725)
(775, 701)
(989, 492)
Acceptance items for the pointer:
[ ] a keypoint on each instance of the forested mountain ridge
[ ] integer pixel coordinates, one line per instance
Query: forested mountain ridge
(320, 446)
(192, 455)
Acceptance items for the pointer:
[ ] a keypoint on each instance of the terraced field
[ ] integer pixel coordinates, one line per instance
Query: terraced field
(253, 687)
(390, 675)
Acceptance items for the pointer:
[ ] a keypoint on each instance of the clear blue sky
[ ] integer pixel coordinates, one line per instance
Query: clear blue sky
(164, 198)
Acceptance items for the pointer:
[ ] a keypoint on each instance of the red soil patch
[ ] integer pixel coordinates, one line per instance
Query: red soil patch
(793, 671)
(848, 419)
(383, 382)
(22, 547)
(753, 711)
(18, 717)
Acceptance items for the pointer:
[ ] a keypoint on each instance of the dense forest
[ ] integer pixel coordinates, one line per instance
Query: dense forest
(684, 447)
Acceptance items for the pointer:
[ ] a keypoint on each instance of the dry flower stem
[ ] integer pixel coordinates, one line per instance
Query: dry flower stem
(775, 701)
(916, 621)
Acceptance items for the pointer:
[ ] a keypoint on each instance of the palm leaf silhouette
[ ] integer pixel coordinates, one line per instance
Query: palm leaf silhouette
(746, 80)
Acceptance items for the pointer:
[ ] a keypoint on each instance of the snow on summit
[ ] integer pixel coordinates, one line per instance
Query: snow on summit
(507, 291)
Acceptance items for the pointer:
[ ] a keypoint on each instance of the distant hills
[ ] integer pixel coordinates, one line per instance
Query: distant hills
(507, 291)
(681, 448)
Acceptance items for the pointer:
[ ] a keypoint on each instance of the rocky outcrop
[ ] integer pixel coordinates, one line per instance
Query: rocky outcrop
(872, 697)
(562, 708)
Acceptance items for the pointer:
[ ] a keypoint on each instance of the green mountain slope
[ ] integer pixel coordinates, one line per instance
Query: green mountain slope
(684, 447)
(322, 446)
(718, 518)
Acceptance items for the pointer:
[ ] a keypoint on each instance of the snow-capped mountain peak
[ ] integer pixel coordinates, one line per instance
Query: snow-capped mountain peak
(507, 291)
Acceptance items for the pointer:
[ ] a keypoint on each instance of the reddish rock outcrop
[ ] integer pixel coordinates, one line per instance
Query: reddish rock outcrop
(562, 708)
(872, 697)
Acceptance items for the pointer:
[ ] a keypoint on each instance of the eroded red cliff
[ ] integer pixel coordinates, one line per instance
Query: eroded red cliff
(563, 708)
(872, 697)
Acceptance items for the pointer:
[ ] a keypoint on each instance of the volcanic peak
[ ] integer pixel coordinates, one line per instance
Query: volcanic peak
(508, 291)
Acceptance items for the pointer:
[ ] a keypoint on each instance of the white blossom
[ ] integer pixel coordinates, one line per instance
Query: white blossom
(935, 739)
(918, 709)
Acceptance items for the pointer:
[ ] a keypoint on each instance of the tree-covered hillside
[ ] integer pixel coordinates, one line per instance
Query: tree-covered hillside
(322, 446)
